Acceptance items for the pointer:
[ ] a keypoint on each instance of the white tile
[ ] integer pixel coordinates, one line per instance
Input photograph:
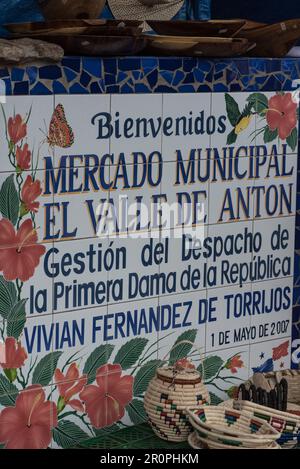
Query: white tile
(24, 440)
(36, 113)
(230, 369)
(87, 116)
(229, 319)
(272, 355)
(272, 314)
(80, 274)
(188, 125)
(276, 103)
(275, 242)
(231, 253)
(186, 322)
(135, 276)
(184, 268)
(231, 194)
(275, 186)
(136, 323)
(37, 208)
(243, 133)
(186, 192)
(80, 203)
(137, 126)
(135, 197)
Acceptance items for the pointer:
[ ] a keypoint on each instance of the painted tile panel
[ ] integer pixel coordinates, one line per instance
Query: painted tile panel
(25, 128)
(271, 355)
(189, 115)
(89, 118)
(87, 338)
(229, 313)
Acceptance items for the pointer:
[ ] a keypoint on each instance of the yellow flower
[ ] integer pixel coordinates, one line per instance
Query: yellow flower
(242, 124)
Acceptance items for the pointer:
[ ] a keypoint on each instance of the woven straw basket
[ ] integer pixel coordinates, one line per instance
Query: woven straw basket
(292, 378)
(170, 392)
(232, 428)
(196, 442)
(286, 423)
(282, 388)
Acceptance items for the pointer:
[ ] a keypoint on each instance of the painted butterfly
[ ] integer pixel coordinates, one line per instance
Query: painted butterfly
(60, 133)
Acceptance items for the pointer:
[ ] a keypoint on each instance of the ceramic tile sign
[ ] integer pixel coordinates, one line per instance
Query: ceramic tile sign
(135, 231)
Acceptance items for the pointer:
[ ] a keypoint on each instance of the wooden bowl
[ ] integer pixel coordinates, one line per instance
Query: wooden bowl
(274, 40)
(214, 28)
(76, 27)
(197, 46)
(71, 9)
(97, 46)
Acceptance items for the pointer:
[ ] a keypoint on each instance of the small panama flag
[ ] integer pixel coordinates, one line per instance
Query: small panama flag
(2, 352)
(281, 351)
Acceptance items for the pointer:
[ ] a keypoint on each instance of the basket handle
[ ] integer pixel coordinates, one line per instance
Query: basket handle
(198, 349)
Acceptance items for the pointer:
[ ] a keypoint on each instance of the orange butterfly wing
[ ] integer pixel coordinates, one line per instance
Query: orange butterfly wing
(60, 133)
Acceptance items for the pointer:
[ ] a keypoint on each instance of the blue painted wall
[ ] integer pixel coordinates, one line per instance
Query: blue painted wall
(267, 11)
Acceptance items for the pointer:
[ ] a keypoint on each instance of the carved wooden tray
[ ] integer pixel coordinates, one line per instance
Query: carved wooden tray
(97, 46)
(197, 46)
(274, 40)
(74, 27)
(214, 28)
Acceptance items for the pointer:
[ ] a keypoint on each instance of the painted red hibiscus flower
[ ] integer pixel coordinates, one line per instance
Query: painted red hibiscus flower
(28, 425)
(17, 129)
(234, 363)
(14, 357)
(68, 386)
(20, 252)
(282, 114)
(23, 156)
(105, 402)
(31, 190)
(15, 354)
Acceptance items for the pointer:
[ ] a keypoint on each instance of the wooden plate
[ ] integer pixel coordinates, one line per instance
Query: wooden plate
(97, 46)
(274, 40)
(197, 47)
(59, 26)
(215, 28)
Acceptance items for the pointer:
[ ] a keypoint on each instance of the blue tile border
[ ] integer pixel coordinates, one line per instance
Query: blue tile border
(78, 75)
(152, 75)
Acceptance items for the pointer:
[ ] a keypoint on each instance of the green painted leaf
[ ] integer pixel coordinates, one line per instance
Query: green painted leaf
(136, 412)
(106, 431)
(16, 319)
(2, 446)
(44, 370)
(231, 138)
(8, 392)
(182, 350)
(130, 352)
(67, 434)
(270, 135)
(144, 376)
(259, 102)
(211, 367)
(232, 109)
(9, 200)
(8, 296)
(292, 140)
(214, 399)
(99, 357)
